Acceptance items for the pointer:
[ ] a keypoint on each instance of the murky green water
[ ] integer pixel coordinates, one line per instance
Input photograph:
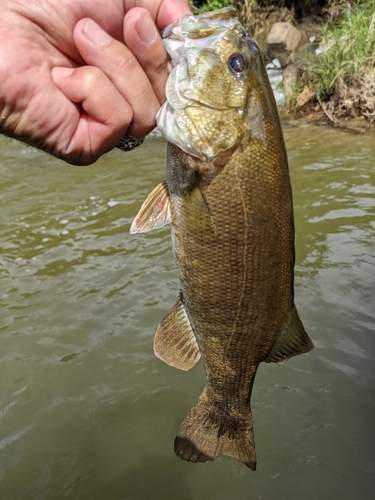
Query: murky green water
(88, 412)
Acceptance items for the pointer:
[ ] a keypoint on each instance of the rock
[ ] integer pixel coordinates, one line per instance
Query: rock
(283, 39)
(275, 76)
(302, 54)
(310, 29)
(261, 35)
(290, 78)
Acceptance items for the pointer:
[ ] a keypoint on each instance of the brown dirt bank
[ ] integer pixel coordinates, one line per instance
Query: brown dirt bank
(350, 103)
(313, 113)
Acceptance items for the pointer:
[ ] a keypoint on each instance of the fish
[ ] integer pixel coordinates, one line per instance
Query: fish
(227, 198)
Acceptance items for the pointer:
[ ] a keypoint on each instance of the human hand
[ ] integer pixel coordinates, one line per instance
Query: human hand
(76, 75)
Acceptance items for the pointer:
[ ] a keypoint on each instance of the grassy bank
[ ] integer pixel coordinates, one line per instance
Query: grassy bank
(343, 74)
(348, 47)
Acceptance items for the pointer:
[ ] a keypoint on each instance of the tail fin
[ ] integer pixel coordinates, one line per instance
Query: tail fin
(210, 430)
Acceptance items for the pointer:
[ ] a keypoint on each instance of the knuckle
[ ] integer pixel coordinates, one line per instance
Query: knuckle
(142, 125)
(91, 77)
(128, 64)
(159, 65)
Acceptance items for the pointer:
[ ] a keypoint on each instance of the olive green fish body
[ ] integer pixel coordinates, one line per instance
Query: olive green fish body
(228, 199)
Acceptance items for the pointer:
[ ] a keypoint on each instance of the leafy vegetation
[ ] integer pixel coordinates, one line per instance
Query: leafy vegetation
(347, 48)
(342, 77)
(208, 5)
(301, 7)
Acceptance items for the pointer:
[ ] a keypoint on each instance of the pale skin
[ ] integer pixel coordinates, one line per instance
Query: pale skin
(77, 75)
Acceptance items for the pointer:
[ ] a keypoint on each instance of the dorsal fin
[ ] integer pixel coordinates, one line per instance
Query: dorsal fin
(155, 211)
(175, 342)
(292, 341)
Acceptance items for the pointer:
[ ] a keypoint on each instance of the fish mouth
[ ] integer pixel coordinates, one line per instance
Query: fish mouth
(201, 26)
(186, 140)
(174, 121)
(189, 118)
(178, 128)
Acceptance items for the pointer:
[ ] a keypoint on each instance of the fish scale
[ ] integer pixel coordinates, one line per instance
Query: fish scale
(228, 200)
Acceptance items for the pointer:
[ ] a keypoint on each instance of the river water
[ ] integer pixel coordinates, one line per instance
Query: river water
(88, 412)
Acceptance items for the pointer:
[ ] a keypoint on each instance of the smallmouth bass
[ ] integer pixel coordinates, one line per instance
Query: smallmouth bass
(228, 199)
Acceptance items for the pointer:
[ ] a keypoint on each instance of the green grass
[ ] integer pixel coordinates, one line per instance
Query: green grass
(211, 5)
(208, 5)
(350, 47)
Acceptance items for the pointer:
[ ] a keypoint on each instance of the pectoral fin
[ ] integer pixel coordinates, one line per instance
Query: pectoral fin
(155, 211)
(292, 341)
(175, 342)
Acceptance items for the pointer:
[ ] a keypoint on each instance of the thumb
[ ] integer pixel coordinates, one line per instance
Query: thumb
(170, 11)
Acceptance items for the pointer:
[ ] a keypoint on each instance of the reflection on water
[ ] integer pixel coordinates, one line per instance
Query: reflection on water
(88, 412)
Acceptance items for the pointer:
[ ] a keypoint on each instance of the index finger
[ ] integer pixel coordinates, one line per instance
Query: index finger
(163, 12)
(142, 38)
(120, 65)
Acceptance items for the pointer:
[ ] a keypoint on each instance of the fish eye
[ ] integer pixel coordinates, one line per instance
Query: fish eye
(237, 64)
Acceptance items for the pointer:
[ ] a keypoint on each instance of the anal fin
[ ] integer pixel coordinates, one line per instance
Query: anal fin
(155, 211)
(175, 342)
(292, 341)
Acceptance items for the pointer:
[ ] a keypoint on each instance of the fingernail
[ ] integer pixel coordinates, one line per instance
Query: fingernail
(95, 34)
(59, 72)
(146, 29)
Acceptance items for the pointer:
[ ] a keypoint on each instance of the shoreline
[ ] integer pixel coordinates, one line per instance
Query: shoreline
(312, 59)
(319, 118)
